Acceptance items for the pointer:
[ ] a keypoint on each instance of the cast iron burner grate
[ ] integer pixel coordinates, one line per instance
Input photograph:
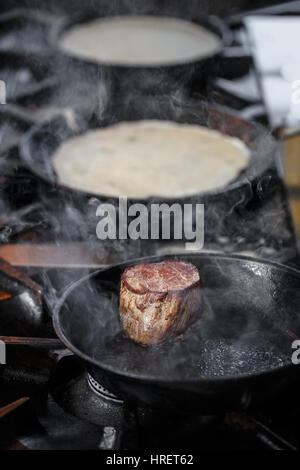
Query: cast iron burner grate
(83, 419)
(68, 409)
(101, 391)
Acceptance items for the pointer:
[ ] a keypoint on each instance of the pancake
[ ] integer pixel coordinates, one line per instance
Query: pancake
(150, 158)
(140, 41)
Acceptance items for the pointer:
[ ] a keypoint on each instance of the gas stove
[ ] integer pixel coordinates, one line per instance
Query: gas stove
(48, 400)
(69, 410)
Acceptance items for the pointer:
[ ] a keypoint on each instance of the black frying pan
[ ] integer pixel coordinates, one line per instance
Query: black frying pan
(237, 354)
(40, 144)
(223, 206)
(147, 78)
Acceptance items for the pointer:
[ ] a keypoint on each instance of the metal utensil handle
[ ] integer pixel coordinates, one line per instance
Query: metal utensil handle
(49, 343)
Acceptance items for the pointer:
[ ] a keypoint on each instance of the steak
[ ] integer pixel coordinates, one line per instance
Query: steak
(159, 300)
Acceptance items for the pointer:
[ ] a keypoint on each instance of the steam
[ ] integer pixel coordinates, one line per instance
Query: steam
(234, 224)
(86, 97)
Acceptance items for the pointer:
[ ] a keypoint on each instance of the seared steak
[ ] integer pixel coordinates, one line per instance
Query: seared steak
(159, 300)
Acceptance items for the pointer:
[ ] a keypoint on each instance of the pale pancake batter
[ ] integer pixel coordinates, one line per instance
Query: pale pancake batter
(140, 41)
(146, 158)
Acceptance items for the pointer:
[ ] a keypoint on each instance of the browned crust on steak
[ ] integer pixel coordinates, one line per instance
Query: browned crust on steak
(150, 316)
(160, 277)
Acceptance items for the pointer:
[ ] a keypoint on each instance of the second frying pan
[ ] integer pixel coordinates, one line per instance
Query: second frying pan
(42, 141)
(226, 209)
(147, 78)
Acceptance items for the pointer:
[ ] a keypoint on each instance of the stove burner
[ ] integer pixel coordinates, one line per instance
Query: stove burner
(101, 391)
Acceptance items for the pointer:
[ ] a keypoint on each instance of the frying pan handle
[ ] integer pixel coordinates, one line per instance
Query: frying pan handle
(46, 343)
(5, 410)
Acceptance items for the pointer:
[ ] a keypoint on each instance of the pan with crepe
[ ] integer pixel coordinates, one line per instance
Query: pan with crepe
(154, 46)
(152, 151)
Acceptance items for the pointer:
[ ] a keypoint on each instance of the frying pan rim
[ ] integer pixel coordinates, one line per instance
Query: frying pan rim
(211, 22)
(166, 381)
(25, 155)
